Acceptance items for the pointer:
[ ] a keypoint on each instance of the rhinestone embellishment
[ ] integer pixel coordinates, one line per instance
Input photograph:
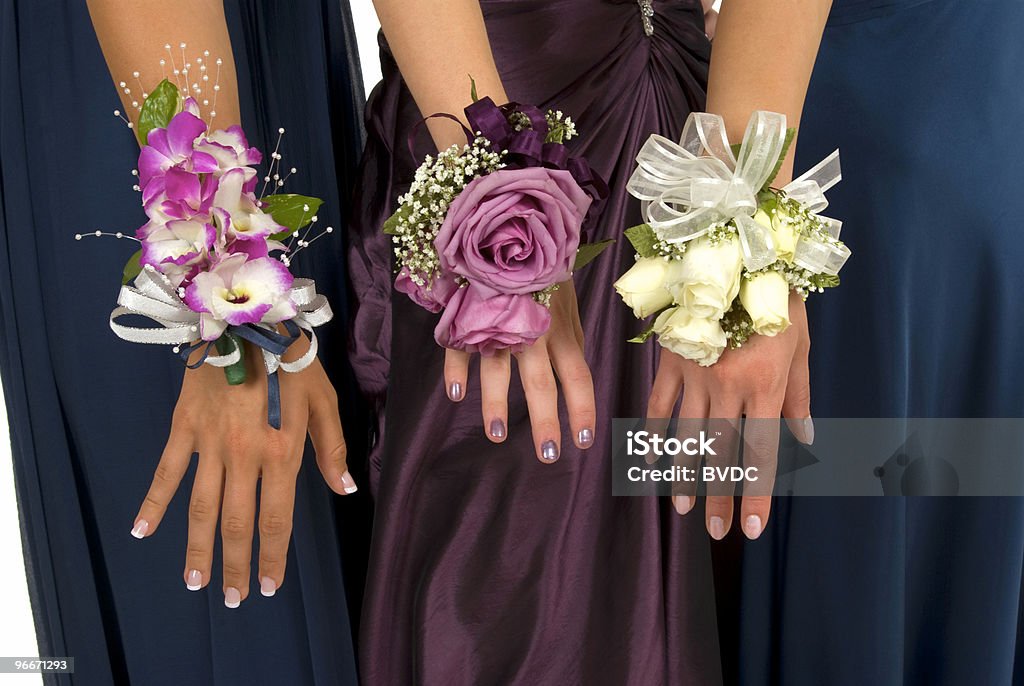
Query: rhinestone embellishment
(646, 14)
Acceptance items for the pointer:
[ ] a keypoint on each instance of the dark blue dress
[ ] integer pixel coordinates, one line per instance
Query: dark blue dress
(924, 99)
(89, 412)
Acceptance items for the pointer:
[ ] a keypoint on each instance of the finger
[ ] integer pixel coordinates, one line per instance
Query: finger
(693, 413)
(668, 383)
(277, 504)
(796, 407)
(203, 510)
(541, 400)
(456, 371)
(760, 453)
(236, 530)
(577, 388)
(495, 371)
(173, 463)
(724, 426)
(329, 443)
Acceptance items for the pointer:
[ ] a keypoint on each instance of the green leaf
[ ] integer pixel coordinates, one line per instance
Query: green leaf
(736, 147)
(287, 209)
(790, 134)
(472, 88)
(226, 345)
(643, 239)
(588, 251)
(132, 268)
(644, 336)
(157, 110)
(392, 223)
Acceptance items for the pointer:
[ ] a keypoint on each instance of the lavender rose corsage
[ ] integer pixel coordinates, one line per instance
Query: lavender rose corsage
(213, 266)
(487, 231)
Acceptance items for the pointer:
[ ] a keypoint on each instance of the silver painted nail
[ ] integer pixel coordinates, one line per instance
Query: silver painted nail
(497, 429)
(549, 451)
(455, 391)
(585, 437)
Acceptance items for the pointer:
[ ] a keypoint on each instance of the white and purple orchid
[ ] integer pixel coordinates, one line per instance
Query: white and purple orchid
(237, 291)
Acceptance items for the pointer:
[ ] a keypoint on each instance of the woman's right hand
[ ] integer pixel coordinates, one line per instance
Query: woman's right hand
(227, 426)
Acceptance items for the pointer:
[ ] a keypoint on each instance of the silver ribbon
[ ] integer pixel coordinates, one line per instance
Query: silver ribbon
(152, 295)
(690, 186)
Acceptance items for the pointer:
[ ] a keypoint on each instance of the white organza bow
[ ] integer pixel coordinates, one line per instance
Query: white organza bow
(688, 187)
(153, 296)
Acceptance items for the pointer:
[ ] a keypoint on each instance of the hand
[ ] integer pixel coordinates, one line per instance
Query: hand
(227, 426)
(561, 348)
(764, 379)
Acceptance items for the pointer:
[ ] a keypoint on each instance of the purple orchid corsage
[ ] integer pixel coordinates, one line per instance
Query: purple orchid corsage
(212, 269)
(488, 231)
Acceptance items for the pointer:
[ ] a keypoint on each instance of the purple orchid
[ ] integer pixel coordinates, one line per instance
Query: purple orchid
(177, 248)
(237, 291)
(175, 147)
(230, 148)
(237, 213)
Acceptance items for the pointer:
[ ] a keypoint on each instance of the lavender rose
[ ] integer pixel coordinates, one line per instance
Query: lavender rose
(514, 231)
(476, 321)
(432, 296)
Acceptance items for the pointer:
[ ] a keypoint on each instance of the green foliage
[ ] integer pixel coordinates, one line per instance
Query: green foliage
(288, 210)
(790, 134)
(588, 251)
(132, 268)
(226, 345)
(643, 239)
(824, 280)
(157, 110)
(644, 336)
(397, 219)
(472, 88)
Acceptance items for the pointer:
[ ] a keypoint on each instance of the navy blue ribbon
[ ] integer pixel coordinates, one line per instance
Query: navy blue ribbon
(273, 342)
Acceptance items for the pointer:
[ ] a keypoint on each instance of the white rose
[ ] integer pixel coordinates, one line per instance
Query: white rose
(700, 340)
(710, 278)
(765, 297)
(784, 235)
(645, 286)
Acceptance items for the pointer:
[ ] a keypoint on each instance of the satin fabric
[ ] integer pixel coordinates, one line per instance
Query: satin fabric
(89, 413)
(924, 101)
(488, 566)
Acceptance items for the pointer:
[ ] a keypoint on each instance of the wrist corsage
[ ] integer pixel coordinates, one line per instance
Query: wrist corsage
(213, 266)
(721, 248)
(487, 231)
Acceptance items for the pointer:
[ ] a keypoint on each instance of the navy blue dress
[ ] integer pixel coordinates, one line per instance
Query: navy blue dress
(924, 99)
(89, 412)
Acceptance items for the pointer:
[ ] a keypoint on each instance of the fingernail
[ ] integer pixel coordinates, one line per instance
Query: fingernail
(808, 425)
(549, 451)
(497, 429)
(455, 391)
(584, 438)
(348, 483)
(194, 580)
(716, 527)
(682, 503)
(232, 597)
(268, 587)
(752, 526)
(140, 528)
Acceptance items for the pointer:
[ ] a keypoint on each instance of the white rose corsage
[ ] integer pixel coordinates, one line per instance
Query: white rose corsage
(721, 249)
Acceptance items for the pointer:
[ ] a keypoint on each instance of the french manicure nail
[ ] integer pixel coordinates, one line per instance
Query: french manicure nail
(549, 451)
(232, 597)
(585, 437)
(682, 503)
(808, 425)
(497, 429)
(455, 391)
(268, 587)
(140, 528)
(716, 527)
(194, 580)
(752, 526)
(348, 483)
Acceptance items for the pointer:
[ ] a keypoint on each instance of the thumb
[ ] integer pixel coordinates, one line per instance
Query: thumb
(796, 407)
(329, 443)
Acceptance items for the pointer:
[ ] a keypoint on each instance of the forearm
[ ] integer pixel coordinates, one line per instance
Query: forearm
(439, 45)
(762, 59)
(133, 34)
